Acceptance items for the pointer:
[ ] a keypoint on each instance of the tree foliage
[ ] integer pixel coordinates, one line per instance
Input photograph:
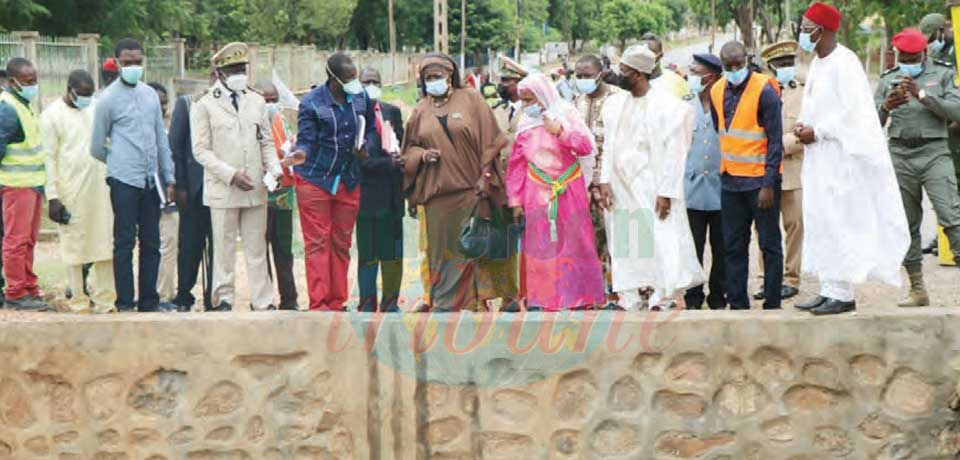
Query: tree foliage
(343, 23)
(622, 20)
(773, 20)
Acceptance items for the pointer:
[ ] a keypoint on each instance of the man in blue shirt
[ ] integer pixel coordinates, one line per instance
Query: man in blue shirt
(139, 172)
(747, 114)
(702, 182)
(335, 123)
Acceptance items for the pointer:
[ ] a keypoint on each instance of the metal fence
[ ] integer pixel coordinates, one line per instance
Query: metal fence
(10, 46)
(56, 57)
(301, 67)
(163, 64)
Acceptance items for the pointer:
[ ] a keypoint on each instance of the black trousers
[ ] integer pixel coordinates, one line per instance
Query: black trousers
(740, 211)
(700, 223)
(280, 242)
(136, 219)
(195, 238)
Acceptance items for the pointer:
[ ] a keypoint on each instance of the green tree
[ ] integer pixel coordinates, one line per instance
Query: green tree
(489, 25)
(17, 13)
(414, 23)
(679, 9)
(623, 20)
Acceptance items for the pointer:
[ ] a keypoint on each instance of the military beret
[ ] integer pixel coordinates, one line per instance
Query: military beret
(232, 54)
(910, 41)
(110, 65)
(931, 23)
(709, 61)
(779, 50)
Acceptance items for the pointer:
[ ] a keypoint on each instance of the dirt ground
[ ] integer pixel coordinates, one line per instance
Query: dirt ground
(943, 283)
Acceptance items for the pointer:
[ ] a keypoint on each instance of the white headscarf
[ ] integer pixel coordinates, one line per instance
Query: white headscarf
(554, 106)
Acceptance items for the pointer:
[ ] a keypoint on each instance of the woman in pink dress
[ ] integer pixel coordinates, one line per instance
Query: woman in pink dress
(545, 183)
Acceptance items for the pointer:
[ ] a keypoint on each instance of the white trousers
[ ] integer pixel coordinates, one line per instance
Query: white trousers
(250, 224)
(839, 290)
(102, 291)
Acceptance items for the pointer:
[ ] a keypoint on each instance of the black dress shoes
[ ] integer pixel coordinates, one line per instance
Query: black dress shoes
(222, 307)
(834, 307)
(812, 303)
(787, 292)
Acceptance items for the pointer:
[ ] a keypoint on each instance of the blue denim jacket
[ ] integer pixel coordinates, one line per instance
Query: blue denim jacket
(327, 132)
(702, 179)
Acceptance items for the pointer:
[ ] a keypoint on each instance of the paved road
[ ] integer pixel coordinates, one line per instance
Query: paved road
(683, 55)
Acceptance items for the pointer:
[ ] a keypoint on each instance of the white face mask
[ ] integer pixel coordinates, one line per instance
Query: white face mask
(373, 91)
(236, 83)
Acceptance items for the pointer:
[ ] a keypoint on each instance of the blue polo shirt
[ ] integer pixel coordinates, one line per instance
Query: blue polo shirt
(327, 132)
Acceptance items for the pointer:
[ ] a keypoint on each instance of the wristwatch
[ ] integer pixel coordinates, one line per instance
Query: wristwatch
(922, 95)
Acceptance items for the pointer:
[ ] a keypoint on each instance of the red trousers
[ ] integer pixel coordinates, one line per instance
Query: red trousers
(22, 208)
(327, 221)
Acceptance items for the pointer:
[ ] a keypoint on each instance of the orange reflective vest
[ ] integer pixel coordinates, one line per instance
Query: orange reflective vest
(744, 143)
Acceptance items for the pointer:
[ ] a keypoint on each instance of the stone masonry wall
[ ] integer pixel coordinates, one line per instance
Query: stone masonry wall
(694, 385)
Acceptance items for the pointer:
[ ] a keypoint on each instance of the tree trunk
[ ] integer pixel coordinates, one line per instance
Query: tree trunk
(743, 16)
(766, 24)
(393, 29)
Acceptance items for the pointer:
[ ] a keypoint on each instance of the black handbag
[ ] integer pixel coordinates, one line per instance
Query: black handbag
(489, 238)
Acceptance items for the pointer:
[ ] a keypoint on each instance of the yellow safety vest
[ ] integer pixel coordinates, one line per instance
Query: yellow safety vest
(23, 165)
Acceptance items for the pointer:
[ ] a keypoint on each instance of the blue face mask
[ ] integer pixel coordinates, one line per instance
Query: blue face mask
(695, 83)
(805, 41)
(937, 45)
(786, 74)
(81, 102)
(737, 77)
(911, 70)
(131, 74)
(437, 88)
(273, 108)
(29, 93)
(586, 85)
(533, 111)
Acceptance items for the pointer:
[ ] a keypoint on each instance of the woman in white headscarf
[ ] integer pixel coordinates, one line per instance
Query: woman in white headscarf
(545, 183)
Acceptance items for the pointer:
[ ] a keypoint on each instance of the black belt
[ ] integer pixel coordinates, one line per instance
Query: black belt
(916, 142)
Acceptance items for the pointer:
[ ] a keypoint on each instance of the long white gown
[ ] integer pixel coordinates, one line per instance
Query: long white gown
(646, 144)
(855, 228)
(80, 182)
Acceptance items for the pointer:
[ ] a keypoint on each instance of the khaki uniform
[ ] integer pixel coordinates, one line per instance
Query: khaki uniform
(791, 201)
(929, 24)
(590, 108)
(508, 118)
(953, 141)
(921, 156)
(227, 140)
